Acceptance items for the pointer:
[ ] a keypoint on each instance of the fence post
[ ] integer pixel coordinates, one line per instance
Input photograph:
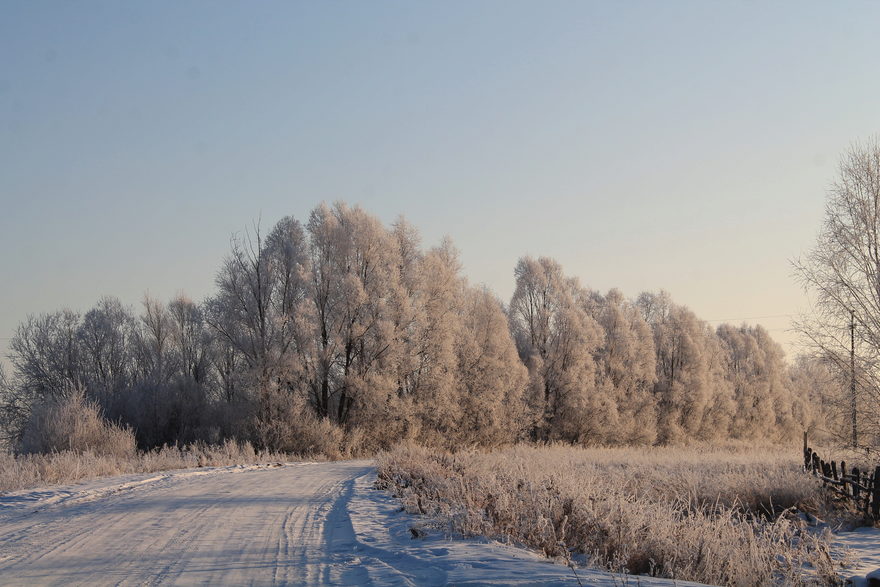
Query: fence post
(862, 487)
(875, 497)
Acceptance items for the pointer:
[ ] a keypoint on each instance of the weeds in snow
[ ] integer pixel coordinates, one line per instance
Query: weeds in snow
(713, 515)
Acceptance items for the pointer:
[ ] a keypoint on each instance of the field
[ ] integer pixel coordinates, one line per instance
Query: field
(731, 515)
(727, 516)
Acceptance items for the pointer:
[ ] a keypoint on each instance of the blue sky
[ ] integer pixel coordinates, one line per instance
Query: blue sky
(644, 145)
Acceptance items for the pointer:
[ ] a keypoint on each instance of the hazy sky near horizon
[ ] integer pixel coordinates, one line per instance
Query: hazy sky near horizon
(644, 145)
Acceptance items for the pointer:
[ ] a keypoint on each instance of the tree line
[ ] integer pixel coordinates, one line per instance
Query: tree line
(344, 331)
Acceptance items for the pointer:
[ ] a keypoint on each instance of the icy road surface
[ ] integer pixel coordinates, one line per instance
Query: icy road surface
(299, 523)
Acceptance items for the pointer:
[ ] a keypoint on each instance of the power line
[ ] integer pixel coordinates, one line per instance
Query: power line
(752, 318)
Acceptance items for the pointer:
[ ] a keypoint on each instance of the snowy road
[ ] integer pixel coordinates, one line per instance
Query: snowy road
(301, 524)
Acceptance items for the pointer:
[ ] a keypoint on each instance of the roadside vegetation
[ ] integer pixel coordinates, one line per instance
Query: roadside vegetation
(67, 440)
(731, 515)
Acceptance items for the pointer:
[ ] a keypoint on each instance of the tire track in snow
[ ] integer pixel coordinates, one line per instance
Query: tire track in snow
(261, 526)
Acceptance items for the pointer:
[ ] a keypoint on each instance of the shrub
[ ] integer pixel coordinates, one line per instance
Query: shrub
(71, 422)
(292, 427)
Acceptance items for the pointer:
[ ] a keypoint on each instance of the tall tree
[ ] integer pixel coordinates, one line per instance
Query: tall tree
(626, 363)
(690, 402)
(491, 379)
(556, 339)
(757, 370)
(108, 335)
(842, 273)
(259, 285)
(46, 354)
(354, 288)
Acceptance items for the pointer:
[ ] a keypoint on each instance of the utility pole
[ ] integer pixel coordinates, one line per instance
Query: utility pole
(852, 373)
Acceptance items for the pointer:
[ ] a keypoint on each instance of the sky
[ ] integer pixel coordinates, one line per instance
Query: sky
(685, 146)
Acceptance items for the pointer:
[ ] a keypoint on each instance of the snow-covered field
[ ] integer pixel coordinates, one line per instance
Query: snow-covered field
(299, 523)
(864, 544)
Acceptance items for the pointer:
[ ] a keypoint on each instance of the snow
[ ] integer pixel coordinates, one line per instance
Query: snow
(864, 544)
(297, 523)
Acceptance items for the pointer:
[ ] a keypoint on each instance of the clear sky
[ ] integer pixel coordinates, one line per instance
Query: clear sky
(644, 145)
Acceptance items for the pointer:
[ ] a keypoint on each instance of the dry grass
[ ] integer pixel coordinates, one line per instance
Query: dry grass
(36, 470)
(67, 439)
(71, 422)
(714, 515)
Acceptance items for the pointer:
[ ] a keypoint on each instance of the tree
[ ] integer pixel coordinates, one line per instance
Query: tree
(691, 402)
(46, 354)
(822, 405)
(626, 363)
(556, 339)
(108, 335)
(842, 274)
(260, 284)
(167, 401)
(757, 371)
(190, 339)
(491, 379)
(429, 374)
(14, 411)
(354, 288)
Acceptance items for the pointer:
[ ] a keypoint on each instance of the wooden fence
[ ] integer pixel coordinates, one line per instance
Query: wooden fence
(862, 487)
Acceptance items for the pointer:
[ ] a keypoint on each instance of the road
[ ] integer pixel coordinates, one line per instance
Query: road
(291, 524)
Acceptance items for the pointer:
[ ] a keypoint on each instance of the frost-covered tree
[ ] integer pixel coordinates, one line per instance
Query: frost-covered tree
(429, 379)
(690, 402)
(822, 402)
(757, 370)
(491, 378)
(259, 284)
(626, 364)
(556, 339)
(46, 354)
(354, 288)
(842, 274)
(108, 338)
(349, 333)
